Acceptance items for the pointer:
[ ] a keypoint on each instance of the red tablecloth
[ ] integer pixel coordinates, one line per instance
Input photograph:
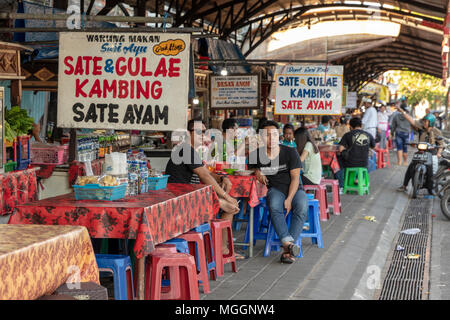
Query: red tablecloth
(328, 156)
(150, 218)
(17, 187)
(247, 187)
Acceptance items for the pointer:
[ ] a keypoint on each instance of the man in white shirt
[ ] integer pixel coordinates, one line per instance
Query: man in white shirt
(383, 120)
(370, 118)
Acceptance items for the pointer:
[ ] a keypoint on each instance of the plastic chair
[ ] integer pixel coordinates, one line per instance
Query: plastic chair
(273, 243)
(197, 249)
(335, 203)
(205, 230)
(120, 266)
(217, 227)
(180, 264)
(260, 224)
(383, 158)
(320, 193)
(315, 231)
(363, 185)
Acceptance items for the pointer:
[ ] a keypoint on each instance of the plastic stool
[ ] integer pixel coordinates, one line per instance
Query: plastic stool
(273, 243)
(183, 275)
(314, 232)
(217, 227)
(363, 180)
(120, 266)
(383, 158)
(321, 195)
(390, 145)
(205, 230)
(260, 223)
(197, 249)
(182, 245)
(241, 216)
(335, 204)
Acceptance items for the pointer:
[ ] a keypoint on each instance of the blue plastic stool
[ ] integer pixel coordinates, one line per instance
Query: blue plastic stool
(314, 232)
(210, 263)
(118, 265)
(182, 245)
(260, 223)
(241, 215)
(372, 163)
(273, 243)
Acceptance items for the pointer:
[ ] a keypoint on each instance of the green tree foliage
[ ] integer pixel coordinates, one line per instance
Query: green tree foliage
(417, 87)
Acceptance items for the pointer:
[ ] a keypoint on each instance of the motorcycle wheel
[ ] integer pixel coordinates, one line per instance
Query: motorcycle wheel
(445, 204)
(441, 182)
(416, 184)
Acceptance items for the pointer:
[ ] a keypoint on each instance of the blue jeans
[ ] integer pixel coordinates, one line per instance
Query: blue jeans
(275, 201)
(401, 140)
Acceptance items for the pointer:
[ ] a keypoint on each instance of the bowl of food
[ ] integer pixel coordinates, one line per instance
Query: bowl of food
(244, 172)
(230, 171)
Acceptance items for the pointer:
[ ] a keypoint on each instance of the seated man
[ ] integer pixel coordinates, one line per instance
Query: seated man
(357, 142)
(189, 168)
(427, 133)
(278, 167)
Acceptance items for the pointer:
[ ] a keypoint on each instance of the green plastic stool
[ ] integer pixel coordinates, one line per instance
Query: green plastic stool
(327, 172)
(363, 181)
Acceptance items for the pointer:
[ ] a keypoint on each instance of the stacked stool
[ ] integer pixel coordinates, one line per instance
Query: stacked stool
(120, 267)
(217, 227)
(335, 204)
(320, 192)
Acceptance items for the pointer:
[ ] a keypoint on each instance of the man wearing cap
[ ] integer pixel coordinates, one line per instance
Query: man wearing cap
(370, 118)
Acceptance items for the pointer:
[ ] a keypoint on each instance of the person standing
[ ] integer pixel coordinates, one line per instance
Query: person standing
(370, 118)
(278, 167)
(383, 120)
(400, 131)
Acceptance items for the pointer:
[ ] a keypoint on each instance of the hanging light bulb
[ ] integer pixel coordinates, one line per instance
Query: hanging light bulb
(224, 72)
(195, 101)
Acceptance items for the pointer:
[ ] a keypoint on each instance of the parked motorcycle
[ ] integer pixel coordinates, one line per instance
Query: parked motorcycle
(422, 161)
(442, 176)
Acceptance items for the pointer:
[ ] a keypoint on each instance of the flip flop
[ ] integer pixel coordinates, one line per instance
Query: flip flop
(287, 258)
(238, 256)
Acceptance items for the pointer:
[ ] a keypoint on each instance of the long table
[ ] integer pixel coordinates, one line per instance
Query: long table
(35, 260)
(150, 218)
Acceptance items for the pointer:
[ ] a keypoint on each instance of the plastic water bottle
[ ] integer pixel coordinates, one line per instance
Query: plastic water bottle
(133, 178)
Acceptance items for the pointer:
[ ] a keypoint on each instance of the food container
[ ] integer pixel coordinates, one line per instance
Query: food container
(97, 192)
(158, 183)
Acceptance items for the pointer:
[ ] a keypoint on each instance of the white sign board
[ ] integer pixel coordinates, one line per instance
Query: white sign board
(308, 90)
(351, 100)
(133, 81)
(235, 91)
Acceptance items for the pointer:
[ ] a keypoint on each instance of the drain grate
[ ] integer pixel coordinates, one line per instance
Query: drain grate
(407, 279)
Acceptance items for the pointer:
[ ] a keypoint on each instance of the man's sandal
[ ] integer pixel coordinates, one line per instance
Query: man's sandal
(287, 258)
(294, 249)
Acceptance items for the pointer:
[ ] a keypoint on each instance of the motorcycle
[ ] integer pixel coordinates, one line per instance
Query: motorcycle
(442, 176)
(422, 161)
(445, 199)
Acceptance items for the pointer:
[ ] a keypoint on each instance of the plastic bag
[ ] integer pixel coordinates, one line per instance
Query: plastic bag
(108, 181)
(83, 180)
(411, 231)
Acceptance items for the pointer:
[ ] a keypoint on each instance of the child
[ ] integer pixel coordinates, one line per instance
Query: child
(288, 136)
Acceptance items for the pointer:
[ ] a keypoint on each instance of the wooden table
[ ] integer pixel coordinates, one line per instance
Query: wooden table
(150, 218)
(36, 259)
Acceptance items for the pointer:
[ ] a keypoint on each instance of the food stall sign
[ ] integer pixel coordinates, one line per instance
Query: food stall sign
(128, 81)
(308, 90)
(237, 91)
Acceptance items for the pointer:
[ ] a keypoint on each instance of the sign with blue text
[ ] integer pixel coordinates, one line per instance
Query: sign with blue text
(308, 90)
(127, 81)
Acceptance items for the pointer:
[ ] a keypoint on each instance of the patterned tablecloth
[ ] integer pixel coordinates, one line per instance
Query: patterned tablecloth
(17, 187)
(247, 187)
(328, 156)
(150, 218)
(35, 260)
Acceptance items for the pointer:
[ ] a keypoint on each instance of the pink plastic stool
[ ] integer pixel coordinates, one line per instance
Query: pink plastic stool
(217, 227)
(320, 193)
(336, 202)
(382, 158)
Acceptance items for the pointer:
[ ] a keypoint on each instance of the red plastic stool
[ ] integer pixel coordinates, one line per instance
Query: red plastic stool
(197, 249)
(390, 145)
(183, 275)
(167, 293)
(336, 202)
(382, 158)
(216, 229)
(320, 193)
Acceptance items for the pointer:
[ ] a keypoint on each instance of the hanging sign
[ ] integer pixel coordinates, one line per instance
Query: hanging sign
(308, 90)
(235, 91)
(133, 81)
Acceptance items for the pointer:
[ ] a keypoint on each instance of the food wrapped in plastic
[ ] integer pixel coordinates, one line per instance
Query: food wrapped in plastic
(83, 180)
(108, 181)
(154, 173)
